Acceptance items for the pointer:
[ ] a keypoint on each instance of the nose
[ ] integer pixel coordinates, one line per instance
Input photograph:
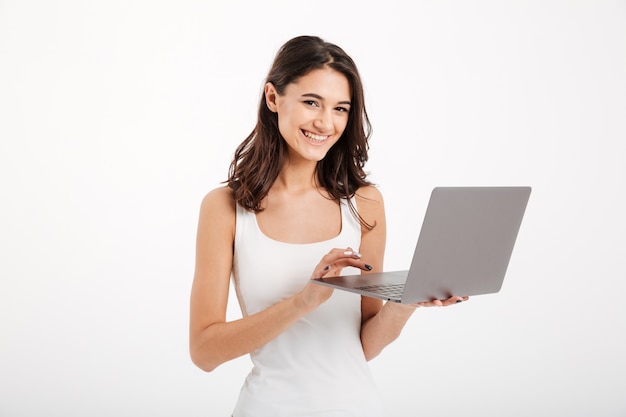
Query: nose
(324, 121)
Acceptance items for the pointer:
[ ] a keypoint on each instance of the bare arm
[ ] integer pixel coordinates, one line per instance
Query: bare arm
(382, 324)
(212, 340)
(377, 329)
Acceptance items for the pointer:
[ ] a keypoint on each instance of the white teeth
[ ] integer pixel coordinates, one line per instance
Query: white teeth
(314, 137)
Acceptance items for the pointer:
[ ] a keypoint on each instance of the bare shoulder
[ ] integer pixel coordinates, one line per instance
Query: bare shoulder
(370, 204)
(370, 194)
(219, 208)
(219, 198)
(369, 199)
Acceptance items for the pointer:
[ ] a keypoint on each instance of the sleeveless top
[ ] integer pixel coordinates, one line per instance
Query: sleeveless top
(317, 366)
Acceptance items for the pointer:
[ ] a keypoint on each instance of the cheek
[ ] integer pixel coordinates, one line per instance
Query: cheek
(285, 123)
(288, 115)
(282, 119)
(341, 124)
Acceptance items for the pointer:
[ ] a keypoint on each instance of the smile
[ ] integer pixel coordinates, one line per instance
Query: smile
(315, 138)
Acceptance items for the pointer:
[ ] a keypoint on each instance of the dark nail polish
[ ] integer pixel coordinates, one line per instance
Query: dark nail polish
(368, 267)
(327, 267)
(458, 301)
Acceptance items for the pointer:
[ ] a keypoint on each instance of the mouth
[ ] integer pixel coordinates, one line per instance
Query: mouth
(315, 139)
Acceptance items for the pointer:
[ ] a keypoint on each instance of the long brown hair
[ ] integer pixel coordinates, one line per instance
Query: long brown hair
(260, 157)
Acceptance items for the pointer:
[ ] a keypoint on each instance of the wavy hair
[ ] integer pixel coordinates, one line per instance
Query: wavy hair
(260, 157)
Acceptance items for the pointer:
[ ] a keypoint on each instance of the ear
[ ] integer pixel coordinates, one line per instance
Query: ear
(270, 97)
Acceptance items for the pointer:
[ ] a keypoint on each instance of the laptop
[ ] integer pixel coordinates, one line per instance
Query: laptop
(463, 249)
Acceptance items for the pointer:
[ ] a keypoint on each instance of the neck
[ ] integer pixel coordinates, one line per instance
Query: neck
(297, 176)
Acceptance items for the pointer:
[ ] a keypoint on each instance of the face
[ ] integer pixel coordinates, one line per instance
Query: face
(312, 112)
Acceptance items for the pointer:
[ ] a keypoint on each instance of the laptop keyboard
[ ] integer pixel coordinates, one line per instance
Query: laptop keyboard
(391, 290)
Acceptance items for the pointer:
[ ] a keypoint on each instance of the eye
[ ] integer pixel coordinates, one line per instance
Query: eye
(312, 103)
(342, 109)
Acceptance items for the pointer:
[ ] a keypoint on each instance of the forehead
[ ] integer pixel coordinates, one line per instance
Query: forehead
(325, 82)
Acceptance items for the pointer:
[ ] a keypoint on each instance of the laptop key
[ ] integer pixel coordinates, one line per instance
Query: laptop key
(384, 289)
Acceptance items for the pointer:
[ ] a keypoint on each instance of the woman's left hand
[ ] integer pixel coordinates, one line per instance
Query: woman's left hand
(442, 303)
(409, 308)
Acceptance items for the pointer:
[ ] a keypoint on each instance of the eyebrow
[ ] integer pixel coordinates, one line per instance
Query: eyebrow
(317, 96)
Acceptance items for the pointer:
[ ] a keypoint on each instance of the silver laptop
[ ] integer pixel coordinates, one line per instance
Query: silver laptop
(463, 249)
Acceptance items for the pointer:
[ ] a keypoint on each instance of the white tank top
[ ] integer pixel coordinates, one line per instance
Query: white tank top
(317, 366)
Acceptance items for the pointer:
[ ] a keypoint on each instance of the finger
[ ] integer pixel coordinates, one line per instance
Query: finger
(456, 300)
(339, 253)
(320, 272)
(443, 303)
(336, 268)
(433, 303)
(452, 300)
(344, 260)
(351, 253)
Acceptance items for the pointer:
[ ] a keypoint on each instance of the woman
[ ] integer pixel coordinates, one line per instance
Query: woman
(297, 206)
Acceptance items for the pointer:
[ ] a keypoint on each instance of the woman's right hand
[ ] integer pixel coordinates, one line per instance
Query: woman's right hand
(313, 295)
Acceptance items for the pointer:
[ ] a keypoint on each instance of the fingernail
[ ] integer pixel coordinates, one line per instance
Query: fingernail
(327, 267)
(368, 267)
(459, 301)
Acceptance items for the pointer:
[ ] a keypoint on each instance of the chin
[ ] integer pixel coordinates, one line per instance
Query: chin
(318, 157)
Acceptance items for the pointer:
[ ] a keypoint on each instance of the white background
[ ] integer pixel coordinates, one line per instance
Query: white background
(116, 117)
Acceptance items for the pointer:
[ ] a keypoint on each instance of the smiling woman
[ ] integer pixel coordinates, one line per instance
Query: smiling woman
(264, 153)
(312, 112)
(297, 206)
